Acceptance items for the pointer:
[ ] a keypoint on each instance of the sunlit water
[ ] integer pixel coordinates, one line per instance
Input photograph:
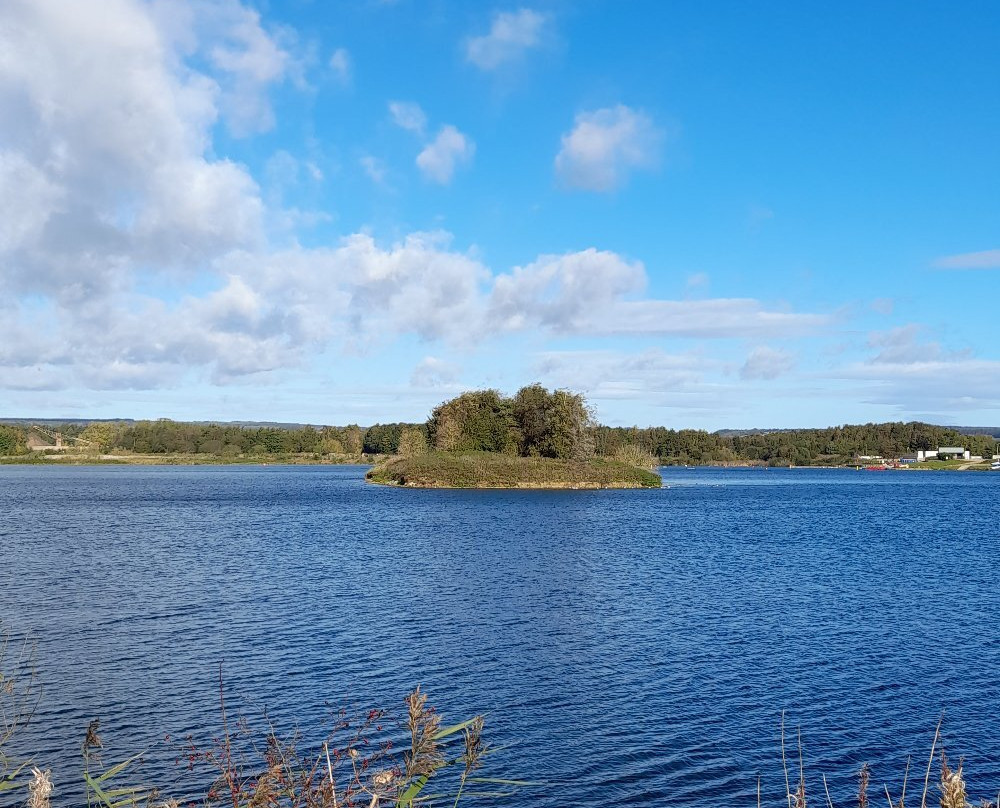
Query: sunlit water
(634, 647)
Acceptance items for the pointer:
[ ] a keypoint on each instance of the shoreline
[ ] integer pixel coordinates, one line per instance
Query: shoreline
(74, 459)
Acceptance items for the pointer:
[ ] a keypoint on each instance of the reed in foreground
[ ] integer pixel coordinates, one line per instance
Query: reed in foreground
(363, 761)
(951, 786)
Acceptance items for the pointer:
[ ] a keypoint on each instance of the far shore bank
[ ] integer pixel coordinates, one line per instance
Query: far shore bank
(76, 459)
(312, 459)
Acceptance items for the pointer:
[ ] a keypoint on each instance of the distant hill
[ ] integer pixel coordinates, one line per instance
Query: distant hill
(993, 431)
(49, 422)
(61, 421)
(738, 433)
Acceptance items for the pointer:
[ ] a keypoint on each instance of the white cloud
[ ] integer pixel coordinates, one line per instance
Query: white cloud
(560, 292)
(767, 363)
(106, 150)
(340, 66)
(936, 389)
(245, 59)
(28, 198)
(621, 375)
(283, 172)
(511, 34)
(712, 318)
(605, 146)
(409, 116)
(918, 378)
(697, 281)
(594, 292)
(110, 187)
(269, 310)
(433, 372)
(374, 168)
(902, 345)
(447, 151)
(987, 259)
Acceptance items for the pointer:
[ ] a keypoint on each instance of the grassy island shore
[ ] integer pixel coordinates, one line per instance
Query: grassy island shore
(491, 470)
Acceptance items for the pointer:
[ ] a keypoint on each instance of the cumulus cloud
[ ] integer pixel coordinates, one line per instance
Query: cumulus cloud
(340, 66)
(245, 61)
(444, 154)
(987, 259)
(767, 363)
(408, 115)
(511, 35)
(560, 292)
(110, 186)
(440, 157)
(594, 292)
(268, 311)
(605, 146)
(106, 151)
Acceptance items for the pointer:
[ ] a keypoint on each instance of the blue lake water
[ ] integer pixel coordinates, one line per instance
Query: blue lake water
(634, 647)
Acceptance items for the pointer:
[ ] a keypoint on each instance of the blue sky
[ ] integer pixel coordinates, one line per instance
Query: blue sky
(698, 215)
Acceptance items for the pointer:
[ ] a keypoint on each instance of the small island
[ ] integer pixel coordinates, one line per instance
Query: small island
(536, 439)
(490, 470)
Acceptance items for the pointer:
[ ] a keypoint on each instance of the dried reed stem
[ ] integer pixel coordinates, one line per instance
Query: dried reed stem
(800, 796)
(784, 763)
(930, 762)
(906, 777)
(329, 771)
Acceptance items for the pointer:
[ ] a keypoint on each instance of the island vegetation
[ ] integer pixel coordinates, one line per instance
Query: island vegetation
(534, 439)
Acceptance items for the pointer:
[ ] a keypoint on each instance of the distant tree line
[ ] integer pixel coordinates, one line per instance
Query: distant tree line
(836, 444)
(535, 422)
(13, 440)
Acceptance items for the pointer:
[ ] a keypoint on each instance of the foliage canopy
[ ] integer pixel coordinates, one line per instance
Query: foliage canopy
(534, 423)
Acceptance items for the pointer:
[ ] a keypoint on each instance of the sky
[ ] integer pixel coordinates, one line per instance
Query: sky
(699, 215)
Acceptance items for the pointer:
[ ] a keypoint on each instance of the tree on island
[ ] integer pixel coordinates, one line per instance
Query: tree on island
(534, 423)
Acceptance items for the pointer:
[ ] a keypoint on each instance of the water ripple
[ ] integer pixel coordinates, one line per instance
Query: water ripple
(634, 647)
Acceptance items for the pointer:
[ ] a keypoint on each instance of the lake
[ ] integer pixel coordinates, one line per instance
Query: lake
(633, 647)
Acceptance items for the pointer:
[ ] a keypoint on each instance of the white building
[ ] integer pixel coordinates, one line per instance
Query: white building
(944, 451)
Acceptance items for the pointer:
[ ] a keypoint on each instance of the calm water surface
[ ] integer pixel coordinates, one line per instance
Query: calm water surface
(636, 647)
